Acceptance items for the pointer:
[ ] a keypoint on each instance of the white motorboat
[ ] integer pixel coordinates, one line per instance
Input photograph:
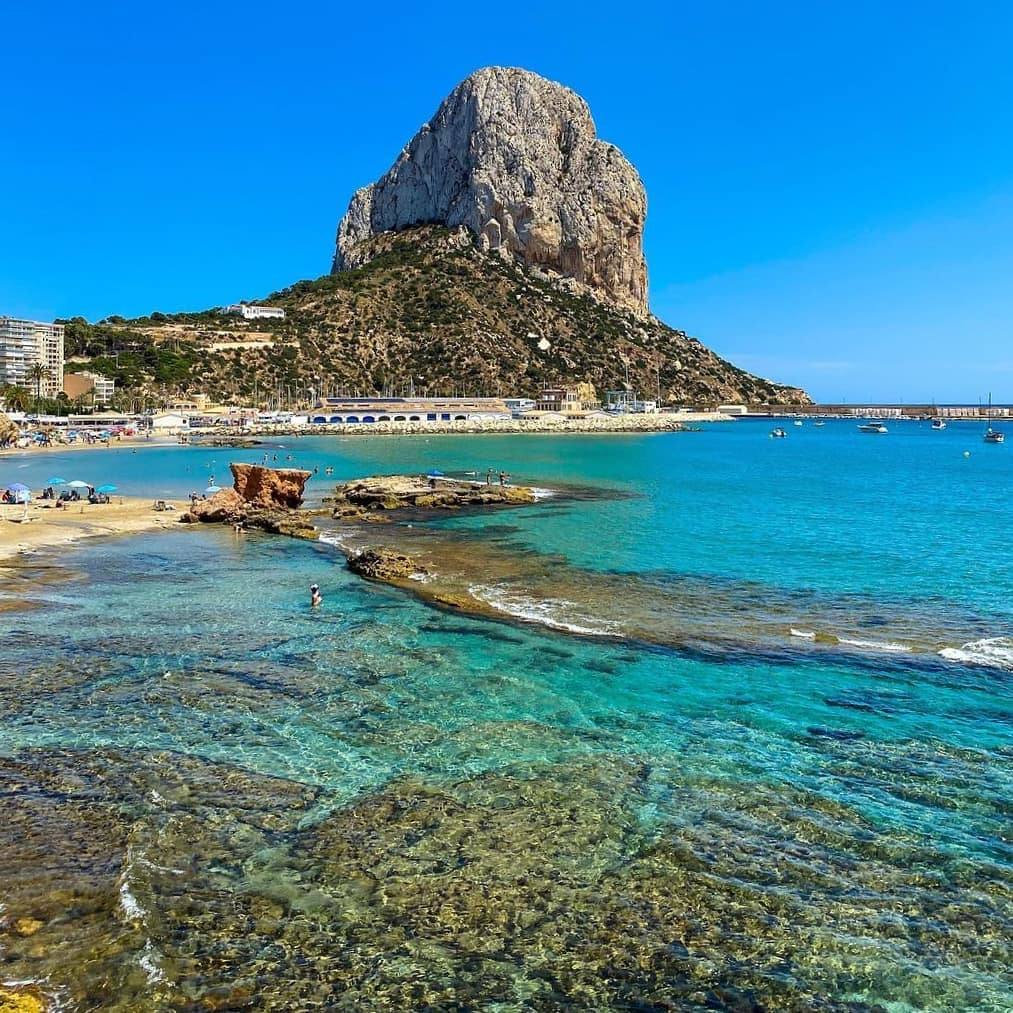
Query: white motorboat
(873, 427)
(938, 424)
(778, 434)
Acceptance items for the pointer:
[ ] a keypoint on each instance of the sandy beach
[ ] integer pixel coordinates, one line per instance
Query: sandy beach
(134, 442)
(50, 527)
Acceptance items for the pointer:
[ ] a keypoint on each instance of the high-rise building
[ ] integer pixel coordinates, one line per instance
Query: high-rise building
(25, 343)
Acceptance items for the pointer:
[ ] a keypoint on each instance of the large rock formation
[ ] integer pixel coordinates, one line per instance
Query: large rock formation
(265, 498)
(516, 159)
(271, 488)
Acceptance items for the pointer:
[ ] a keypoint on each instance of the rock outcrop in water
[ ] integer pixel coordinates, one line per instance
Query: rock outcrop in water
(516, 159)
(384, 564)
(264, 498)
(410, 492)
(271, 488)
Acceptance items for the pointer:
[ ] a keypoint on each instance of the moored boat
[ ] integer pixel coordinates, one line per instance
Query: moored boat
(778, 434)
(873, 427)
(993, 435)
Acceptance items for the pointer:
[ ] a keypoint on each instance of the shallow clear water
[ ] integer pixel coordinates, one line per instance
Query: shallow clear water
(217, 795)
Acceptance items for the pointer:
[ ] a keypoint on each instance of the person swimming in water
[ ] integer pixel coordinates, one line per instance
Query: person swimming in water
(315, 597)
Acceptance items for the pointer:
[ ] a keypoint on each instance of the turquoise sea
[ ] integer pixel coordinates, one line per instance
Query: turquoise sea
(735, 731)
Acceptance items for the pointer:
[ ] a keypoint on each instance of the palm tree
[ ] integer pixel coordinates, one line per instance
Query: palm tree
(14, 398)
(37, 373)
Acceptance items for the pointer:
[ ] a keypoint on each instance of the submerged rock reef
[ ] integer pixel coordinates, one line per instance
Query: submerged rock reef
(160, 881)
(384, 564)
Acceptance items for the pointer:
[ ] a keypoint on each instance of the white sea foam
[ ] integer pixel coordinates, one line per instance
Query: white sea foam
(889, 646)
(148, 962)
(876, 645)
(333, 538)
(540, 493)
(129, 904)
(992, 652)
(553, 612)
(804, 634)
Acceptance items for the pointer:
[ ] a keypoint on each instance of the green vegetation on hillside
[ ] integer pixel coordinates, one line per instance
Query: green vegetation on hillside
(427, 311)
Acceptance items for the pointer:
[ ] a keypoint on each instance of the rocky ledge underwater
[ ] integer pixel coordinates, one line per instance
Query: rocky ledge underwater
(160, 881)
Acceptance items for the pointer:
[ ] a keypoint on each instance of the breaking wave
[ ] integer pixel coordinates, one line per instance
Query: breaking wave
(876, 645)
(552, 612)
(992, 652)
(890, 646)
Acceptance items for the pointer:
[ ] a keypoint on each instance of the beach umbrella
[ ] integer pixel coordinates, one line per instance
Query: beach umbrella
(78, 484)
(21, 493)
(106, 488)
(57, 481)
(434, 474)
(211, 489)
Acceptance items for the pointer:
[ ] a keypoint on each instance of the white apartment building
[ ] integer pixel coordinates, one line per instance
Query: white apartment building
(23, 344)
(248, 311)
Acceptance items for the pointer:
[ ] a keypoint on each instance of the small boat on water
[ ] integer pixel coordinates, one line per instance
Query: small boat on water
(993, 435)
(798, 422)
(778, 434)
(938, 424)
(873, 427)
(819, 423)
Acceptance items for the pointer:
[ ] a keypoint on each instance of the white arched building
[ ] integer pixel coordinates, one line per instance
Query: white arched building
(435, 410)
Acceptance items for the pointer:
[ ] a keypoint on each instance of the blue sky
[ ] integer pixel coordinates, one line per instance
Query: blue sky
(830, 187)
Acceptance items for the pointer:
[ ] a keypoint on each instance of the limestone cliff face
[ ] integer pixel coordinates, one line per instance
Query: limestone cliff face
(515, 158)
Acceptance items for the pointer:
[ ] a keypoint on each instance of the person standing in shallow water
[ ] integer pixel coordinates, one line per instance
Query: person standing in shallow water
(315, 597)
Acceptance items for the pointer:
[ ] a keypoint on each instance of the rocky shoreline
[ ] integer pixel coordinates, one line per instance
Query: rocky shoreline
(270, 499)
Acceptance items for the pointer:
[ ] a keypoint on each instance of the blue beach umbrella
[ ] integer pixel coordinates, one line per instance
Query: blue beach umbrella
(434, 474)
(18, 487)
(78, 484)
(106, 488)
(57, 481)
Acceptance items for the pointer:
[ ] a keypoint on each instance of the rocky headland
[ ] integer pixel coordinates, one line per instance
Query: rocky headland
(502, 252)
